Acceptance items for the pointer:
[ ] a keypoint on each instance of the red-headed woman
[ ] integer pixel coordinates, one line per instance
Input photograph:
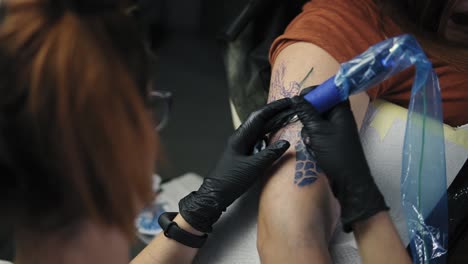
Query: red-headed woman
(77, 144)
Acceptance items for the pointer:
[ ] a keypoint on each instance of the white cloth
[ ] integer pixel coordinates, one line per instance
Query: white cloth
(234, 237)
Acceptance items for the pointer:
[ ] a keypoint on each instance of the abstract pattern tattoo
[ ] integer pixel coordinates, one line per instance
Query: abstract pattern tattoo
(306, 169)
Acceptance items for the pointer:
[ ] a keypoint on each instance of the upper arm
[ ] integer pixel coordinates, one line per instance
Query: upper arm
(292, 69)
(292, 72)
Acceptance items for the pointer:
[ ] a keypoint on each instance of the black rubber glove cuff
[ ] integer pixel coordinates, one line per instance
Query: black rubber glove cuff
(361, 204)
(237, 170)
(203, 208)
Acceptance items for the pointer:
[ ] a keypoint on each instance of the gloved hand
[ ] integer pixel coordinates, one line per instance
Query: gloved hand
(333, 139)
(237, 170)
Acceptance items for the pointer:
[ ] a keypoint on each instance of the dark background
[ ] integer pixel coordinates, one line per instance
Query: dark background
(189, 64)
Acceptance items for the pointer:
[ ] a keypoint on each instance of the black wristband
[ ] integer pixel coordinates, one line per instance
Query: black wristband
(173, 231)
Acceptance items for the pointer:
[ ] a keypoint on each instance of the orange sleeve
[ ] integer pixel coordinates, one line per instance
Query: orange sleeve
(343, 28)
(346, 28)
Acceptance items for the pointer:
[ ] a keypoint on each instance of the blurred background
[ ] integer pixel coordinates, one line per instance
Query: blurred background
(189, 64)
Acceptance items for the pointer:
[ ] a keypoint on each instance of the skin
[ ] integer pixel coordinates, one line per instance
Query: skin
(84, 245)
(94, 243)
(378, 241)
(165, 250)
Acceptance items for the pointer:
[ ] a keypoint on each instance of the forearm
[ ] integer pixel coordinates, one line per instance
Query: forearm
(163, 250)
(297, 210)
(295, 223)
(379, 242)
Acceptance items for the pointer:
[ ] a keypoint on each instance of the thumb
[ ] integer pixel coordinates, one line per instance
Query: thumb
(273, 152)
(309, 116)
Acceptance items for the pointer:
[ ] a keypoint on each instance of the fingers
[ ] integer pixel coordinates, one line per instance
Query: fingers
(341, 114)
(272, 153)
(308, 89)
(279, 121)
(338, 110)
(254, 128)
(267, 112)
(309, 116)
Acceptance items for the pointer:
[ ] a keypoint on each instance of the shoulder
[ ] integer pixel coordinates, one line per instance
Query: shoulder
(342, 28)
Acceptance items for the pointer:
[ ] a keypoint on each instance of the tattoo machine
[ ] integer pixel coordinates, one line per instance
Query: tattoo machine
(423, 179)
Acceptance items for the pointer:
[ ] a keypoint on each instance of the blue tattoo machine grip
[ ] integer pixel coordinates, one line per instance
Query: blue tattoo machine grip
(363, 72)
(324, 96)
(423, 179)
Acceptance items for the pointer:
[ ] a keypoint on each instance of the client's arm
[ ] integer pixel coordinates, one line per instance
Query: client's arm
(298, 212)
(333, 138)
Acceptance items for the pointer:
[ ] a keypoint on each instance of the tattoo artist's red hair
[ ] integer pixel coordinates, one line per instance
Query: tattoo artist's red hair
(76, 142)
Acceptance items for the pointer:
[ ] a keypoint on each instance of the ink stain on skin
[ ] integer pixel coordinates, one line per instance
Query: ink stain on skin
(306, 181)
(309, 166)
(299, 175)
(306, 169)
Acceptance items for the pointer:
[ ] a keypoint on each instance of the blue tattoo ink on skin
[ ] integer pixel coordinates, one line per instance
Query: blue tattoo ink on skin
(313, 158)
(298, 175)
(301, 156)
(309, 166)
(306, 169)
(306, 181)
(299, 166)
(310, 173)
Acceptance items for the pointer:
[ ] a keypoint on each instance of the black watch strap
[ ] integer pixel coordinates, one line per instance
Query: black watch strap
(173, 231)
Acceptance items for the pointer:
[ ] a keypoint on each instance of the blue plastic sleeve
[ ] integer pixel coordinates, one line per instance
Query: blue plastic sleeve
(423, 179)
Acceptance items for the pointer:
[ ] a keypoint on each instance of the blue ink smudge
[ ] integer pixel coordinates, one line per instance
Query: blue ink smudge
(307, 181)
(317, 168)
(301, 156)
(299, 175)
(309, 165)
(300, 166)
(310, 173)
(306, 167)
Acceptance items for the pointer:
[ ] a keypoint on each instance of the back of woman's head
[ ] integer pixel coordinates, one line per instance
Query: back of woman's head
(76, 142)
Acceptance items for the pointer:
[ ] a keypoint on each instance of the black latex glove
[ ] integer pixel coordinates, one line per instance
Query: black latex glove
(237, 170)
(334, 141)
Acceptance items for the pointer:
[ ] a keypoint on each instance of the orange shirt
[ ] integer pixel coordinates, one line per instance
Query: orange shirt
(345, 29)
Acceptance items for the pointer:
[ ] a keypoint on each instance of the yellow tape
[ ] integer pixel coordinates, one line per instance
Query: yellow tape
(387, 113)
